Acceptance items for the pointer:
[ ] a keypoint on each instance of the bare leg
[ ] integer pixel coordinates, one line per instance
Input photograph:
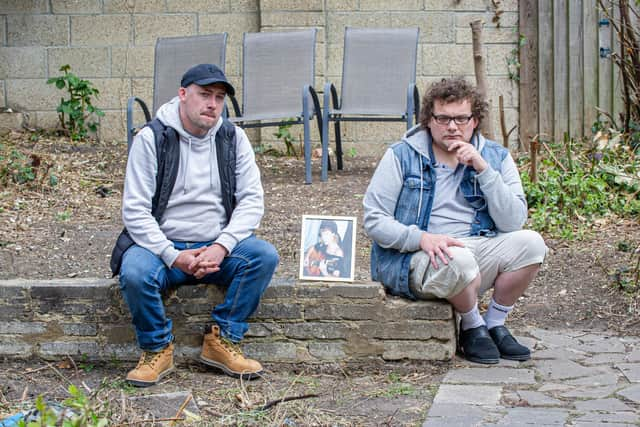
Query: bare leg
(509, 286)
(467, 298)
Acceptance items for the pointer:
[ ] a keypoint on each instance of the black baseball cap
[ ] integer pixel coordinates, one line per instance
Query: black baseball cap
(206, 74)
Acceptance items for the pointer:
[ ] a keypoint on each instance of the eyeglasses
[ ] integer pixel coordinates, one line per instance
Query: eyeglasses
(441, 119)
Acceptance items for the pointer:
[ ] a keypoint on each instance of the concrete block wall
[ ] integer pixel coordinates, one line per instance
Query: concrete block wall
(111, 43)
(295, 322)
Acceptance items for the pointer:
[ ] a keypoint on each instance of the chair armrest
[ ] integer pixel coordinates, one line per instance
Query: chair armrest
(131, 129)
(413, 105)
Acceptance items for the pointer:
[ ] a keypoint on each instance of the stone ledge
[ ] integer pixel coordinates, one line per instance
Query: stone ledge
(296, 322)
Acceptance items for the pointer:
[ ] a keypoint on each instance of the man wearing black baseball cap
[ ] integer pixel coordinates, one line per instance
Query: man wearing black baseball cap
(206, 185)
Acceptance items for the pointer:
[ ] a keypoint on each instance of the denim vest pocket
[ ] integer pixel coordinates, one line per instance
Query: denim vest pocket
(413, 189)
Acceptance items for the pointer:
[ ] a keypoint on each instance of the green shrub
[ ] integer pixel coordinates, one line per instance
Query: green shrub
(580, 181)
(77, 112)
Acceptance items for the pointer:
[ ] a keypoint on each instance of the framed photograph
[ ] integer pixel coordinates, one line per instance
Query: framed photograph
(327, 248)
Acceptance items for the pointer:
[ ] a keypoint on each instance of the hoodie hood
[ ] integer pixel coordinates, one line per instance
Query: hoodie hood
(169, 114)
(419, 139)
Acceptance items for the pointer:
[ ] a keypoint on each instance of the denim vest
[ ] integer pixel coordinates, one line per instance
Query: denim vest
(415, 201)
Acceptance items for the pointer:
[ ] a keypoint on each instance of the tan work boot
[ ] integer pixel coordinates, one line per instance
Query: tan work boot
(223, 354)
(151, 367)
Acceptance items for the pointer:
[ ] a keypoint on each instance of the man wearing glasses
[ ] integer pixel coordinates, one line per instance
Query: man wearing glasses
(445, 209)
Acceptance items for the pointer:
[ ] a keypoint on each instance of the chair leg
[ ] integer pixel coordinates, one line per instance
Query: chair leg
(338, 144)
(307, 142)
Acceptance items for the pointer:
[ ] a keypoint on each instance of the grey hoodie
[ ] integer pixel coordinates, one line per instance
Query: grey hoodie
(503, 190)
(195, 212)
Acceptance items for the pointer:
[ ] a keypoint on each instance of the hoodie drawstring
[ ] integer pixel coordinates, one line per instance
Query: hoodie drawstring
(211, 162)
(186, 175)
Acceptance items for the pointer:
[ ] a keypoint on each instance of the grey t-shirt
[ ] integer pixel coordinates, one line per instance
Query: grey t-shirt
(451, 214)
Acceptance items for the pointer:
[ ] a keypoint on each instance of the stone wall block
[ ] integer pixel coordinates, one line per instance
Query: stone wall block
(434, 27)
(246, 5)
(24, 6)
(278, 351)
(391, 5)
(290, 5)
(459, 60)
(507, 19)
(59, 290)
(234, 24)
(87, 63)
(418, 350)
(3, 30)
(37, 30)
(76, 6)
(22, 328)
(408, 329)
(342, 5)
(496, 35)
(79, 329)
(11, 121)
(101, 30)
(132, 61)
(423, 310)
(316, 330)
(343, 311)
(292, 19)
(282, 310)
(113, 125)
(123, 352)
(134, 6)
(337, 21)
(118, 332)
(22, 62)
(264, 329)
(497, 58)
(327, 350)
(198, 6)
(114, 93)
(455, 5)
(148, 28)
(15, 348)
(280, 289)
(73, 348)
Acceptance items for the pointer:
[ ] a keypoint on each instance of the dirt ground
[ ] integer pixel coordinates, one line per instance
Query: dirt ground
(68, 231)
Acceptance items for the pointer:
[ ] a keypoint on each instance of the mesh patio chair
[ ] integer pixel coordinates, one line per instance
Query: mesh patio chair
(174, 56)
(277, 84)
(378, 82)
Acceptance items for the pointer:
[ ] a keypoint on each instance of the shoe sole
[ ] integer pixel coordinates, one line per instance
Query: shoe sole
(517, 358)
(231, 373)
(141, 383)
(460, 353)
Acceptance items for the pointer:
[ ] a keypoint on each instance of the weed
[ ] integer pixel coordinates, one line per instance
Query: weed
(63, 216)
(76, 113)
(284, 133)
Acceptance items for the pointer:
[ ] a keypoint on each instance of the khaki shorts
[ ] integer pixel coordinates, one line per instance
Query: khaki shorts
(488, 256)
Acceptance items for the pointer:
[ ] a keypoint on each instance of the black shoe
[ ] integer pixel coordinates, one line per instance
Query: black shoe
(508, 346)
(477, 346)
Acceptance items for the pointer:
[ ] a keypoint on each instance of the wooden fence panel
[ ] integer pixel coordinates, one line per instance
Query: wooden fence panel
(575, 73)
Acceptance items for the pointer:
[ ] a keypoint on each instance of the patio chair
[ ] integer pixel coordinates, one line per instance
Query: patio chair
(174, 56)
(378, 82)
(277, 84)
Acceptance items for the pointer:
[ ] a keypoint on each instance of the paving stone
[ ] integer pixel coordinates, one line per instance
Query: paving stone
(166, 405)
(632, 393)
(631, 371)
(591, 424)
(559, 353)
(599, 344)
(605, 359)
(497, 375)
(606, 418)
(605, 405)
(536, 398)
(589, 392)
(607, 378)
(554, 387)
(453, 414)
(533, 417)
(553, 338)
(561, 369)
(468, 394)
(634, 356)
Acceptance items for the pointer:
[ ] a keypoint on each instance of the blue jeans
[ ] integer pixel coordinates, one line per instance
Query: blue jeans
(246, 272)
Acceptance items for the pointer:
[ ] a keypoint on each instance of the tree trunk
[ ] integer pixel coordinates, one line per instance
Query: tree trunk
(481, 76)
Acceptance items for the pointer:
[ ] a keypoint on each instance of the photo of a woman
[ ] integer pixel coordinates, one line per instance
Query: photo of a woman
(327, 248)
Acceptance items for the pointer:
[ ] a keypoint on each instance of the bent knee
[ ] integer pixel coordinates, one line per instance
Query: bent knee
(531, 243)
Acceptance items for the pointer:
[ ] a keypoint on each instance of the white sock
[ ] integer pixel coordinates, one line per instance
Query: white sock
(471, 319)
(496, 314)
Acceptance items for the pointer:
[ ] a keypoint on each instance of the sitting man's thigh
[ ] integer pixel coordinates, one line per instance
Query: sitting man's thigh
(446, 281)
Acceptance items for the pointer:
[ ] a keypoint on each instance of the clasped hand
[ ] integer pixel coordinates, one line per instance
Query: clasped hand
(437, 246)
(468, 155)
(201, 261)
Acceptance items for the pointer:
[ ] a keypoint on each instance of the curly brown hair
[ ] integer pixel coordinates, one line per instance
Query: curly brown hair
(456, 89)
